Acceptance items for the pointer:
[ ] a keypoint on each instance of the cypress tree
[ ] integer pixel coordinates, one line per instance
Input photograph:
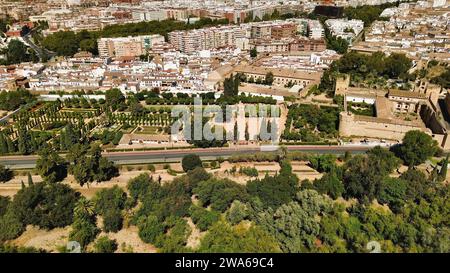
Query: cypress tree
(11, 146)
(3, 145)
(30, 179)
(444, 169)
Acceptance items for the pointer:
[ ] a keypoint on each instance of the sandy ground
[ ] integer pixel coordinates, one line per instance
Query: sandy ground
(322, 98)
(300, 168)
(11, 187)
(128, 240)
(303, 171)
(399, 171)
(45, 239)
(196, 235)
(262, 167)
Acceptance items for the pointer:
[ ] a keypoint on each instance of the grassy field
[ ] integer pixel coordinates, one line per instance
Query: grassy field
(148, 130)
(128, 130)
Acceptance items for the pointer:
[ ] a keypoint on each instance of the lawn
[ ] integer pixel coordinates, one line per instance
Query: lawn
(148, 130)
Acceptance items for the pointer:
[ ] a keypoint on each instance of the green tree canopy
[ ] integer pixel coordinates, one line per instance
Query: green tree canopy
(51, 166)
(220, 193)
(105, 245)
(295, 225)
(273, 191)
(5, 174)
(190, 162)
(17, 52)
(45, 205)
(269, 78)
(330, 184)
(416, 147)
(114, 98)
(64, 43)
(150, 229)
(223, 238)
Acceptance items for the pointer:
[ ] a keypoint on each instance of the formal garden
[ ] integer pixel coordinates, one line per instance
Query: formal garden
(309, 123)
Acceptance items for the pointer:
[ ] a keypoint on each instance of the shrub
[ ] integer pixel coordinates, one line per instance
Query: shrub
(83, 232)
(151, 168)
(220, 193)
(138, 186)
(248, 171)
(5, 174)
(237, 212)
(105, 245)
(215, 164)
(150, 229)
(112, 221)
(190, 162)
(203, 218)
(110, 199)
(10, 226)
(45, 205)
(172, 172)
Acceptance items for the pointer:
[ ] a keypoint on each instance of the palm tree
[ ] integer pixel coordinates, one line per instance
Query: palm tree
(84, 208)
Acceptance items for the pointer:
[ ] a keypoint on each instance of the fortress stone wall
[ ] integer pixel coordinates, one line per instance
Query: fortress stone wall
(354, 125)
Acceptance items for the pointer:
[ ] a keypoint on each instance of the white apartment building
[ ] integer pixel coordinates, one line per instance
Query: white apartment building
(127, 46)
(201, 39)
(344, 28)
(439, 3)
(233, 36)
(307, 27)
(315, 29)
(148, 15)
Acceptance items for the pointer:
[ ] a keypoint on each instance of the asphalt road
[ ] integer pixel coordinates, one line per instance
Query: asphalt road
(138, 157)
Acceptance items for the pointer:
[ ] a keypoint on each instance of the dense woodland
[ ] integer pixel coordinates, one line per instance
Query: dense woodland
(276, 213)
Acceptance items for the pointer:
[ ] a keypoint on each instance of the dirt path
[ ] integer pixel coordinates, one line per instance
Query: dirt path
(196, 235)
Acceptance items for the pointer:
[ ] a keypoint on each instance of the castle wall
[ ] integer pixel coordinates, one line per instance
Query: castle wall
(372, 127)
(431, 120)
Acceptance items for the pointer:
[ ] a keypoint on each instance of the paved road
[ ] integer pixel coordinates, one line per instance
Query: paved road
(5, 118)
(21, 162)
(42, 53)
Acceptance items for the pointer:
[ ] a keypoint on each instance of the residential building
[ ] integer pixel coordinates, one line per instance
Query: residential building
(127, 46)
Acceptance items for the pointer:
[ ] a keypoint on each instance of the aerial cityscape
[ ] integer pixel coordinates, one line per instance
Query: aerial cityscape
(224, 126)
